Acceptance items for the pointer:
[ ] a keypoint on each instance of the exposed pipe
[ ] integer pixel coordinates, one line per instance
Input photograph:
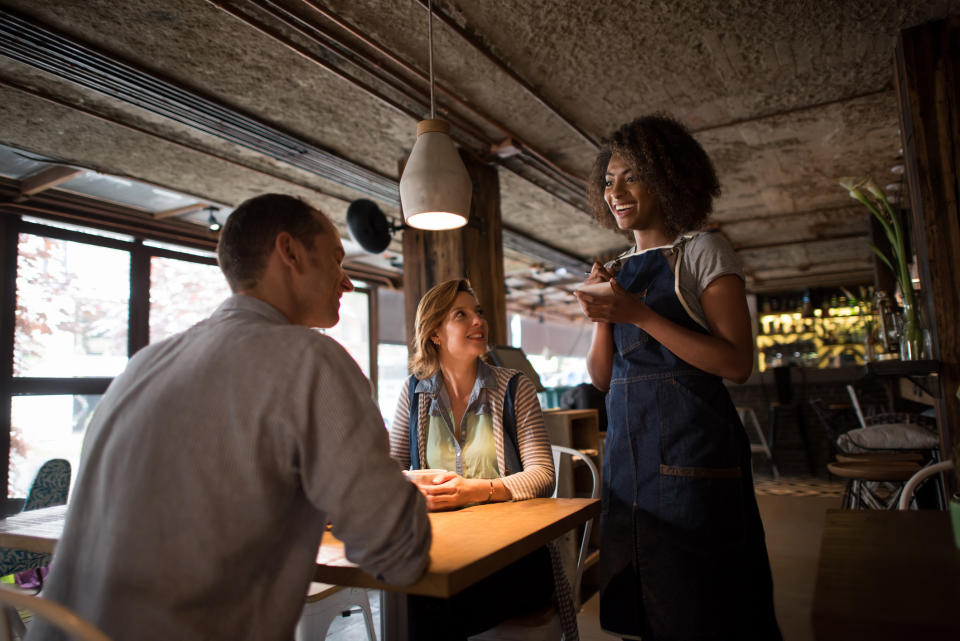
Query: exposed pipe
(389, 55)
(41, 48)
(141, 130)
(489, 55)
(542, 164)
(804, 242)
(788, 112)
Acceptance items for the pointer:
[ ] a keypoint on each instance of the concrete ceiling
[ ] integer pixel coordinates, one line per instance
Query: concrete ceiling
(785, 97)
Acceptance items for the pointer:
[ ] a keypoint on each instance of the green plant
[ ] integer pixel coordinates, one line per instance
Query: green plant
(867, 192)
(956, 459)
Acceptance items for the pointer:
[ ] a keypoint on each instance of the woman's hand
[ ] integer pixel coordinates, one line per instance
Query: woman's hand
(450, 490)
(598, 274)
(622, 307)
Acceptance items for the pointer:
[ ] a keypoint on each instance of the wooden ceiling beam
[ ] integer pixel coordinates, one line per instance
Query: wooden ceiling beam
(180, 211)
(46, 178)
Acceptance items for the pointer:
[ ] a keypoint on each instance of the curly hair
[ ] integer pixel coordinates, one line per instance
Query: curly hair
(432, 309)
(670, 163)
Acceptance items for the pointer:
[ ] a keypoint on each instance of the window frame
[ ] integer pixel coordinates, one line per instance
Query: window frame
(11, 226)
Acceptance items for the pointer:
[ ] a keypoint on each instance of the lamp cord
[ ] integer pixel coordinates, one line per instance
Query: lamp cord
(433, 113)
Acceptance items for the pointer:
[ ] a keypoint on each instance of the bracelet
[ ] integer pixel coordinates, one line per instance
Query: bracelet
(490, 495)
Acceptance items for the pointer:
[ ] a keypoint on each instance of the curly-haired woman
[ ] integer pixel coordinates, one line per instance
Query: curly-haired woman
(682, 553)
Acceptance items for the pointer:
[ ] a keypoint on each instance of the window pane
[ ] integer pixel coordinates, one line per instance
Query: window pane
(182, 294)
(72, 308)
(392, 375)
(353, 330)
(560, 371)
(42, 428)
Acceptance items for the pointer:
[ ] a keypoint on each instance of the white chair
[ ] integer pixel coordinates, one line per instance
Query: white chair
(545, 625)
(327, 602)
(906, 495)
(749, 419)
(558, 452)
(58, 615)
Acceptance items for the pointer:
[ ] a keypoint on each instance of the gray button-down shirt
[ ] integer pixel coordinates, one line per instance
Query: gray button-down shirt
(208, 473)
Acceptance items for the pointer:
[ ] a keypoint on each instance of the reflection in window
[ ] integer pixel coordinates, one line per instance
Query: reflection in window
(42, 428)
(353, 330)
(393, 374)
(72, 308)
(182, 293)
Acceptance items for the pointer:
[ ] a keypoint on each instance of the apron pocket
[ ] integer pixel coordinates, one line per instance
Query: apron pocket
(702, 507)
(693, 430)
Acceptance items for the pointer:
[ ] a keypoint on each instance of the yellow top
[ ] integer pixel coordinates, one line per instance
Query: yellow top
(478, 451)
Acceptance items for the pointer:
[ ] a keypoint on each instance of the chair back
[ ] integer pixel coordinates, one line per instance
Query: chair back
(50, 486)
(906, 496)
(558, 452)
(58, 615)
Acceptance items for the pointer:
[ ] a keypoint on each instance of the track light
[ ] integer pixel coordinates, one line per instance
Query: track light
(212, 223)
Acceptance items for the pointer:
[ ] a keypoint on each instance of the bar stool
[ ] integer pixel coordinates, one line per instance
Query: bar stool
(879, 457)
(865, 477)
(785, 399)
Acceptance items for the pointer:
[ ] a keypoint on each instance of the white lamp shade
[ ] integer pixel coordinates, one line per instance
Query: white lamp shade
(435, 188)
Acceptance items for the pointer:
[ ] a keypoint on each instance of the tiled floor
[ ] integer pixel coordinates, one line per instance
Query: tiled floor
(793, 522)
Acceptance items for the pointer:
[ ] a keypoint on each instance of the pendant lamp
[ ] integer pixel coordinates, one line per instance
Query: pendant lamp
(435, 188)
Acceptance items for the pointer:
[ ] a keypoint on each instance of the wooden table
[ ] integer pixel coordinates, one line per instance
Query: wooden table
(469, 544)
(887, 575)
(33, 530)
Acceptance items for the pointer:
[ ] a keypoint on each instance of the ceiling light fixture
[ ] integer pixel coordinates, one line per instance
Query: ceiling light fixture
(212, 223)
(435, 188)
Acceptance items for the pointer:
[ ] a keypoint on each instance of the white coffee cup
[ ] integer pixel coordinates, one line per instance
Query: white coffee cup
(423, 477)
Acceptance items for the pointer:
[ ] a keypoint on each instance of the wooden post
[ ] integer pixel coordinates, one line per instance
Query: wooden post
(474, 252)
(928, 93)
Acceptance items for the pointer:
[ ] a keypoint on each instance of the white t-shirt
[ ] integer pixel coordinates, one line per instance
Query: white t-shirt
(696, 259)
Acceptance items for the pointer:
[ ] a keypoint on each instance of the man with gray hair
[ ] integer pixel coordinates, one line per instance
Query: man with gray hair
(214, 461)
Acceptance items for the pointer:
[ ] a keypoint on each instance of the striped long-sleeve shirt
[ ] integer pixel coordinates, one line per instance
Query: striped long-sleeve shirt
(537, 477)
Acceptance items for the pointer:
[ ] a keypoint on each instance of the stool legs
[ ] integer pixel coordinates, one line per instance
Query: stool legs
(802, 429)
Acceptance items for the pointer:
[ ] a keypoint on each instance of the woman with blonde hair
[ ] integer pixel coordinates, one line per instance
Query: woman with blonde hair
(483, 426)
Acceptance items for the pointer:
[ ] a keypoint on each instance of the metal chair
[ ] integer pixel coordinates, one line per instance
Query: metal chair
(749, 417)
(327, 602)
(545, 625)
(906, 496)
(60, 616)
(873, 484)
(50, 487)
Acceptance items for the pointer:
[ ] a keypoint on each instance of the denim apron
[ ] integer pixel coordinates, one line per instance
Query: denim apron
(682, 546)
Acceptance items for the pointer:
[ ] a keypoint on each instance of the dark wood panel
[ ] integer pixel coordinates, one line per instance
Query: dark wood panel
(928, 91)
(887, 575)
